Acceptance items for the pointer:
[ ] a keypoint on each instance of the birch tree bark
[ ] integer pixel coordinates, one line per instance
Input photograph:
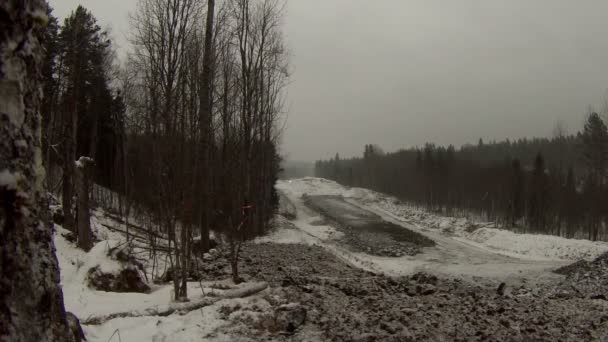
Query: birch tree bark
(31, 300)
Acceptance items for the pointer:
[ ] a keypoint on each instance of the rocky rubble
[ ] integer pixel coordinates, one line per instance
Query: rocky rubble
(348, 304)
(289, 317)
(314, 292)
(583, 279)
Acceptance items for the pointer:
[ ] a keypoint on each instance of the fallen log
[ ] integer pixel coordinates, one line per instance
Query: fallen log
(244, 291)
(180, 308)
(163, 311)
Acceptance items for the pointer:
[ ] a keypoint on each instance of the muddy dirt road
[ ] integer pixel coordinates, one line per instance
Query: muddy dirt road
(367, 232)
(382, 243)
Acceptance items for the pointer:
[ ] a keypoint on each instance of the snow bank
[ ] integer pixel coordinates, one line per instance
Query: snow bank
(9, 180)
(538, 246)
(505, 242)
(310, 186)
(75, 263)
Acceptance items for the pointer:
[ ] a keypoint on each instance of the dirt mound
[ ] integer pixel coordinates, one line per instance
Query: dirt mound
(579, 266)
(584, 279)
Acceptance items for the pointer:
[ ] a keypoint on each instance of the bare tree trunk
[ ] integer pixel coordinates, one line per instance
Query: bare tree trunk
(69, 146)
(31, 300)
(70, 141)
(185, 258)
(85, 238)
(93, 138)
(125, 179)
(235, 249)
(206, 123)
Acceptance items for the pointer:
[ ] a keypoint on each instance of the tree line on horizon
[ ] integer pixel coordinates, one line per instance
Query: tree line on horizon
(543, 185)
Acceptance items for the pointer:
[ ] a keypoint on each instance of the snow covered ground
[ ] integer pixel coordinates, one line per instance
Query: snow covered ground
(464, 247)
(207, 323)
(461, 251)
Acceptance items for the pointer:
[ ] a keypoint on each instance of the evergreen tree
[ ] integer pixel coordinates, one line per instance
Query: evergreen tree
(570, 203)
(86, 101)
(517, 193)
(50, 84)
(337, 174)
(489, 179)
(595, 148)
(538, 195)
(595, 156)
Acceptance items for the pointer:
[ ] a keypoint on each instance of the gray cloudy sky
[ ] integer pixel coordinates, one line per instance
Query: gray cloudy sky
(399, 73)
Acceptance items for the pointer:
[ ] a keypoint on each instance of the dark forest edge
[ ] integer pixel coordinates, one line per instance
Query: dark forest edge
(551, 186)
(184, 133)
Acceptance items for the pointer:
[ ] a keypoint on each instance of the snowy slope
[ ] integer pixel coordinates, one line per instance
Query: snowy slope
(204, 324)
(536, 246)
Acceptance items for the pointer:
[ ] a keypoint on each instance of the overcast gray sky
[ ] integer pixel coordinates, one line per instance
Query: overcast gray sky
(399, 73)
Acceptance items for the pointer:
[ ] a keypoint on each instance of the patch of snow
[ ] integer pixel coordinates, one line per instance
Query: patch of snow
(195, 325)
(11, 103)
(82, 161)
(39, 16)
(286, 236)
(537, 246)
(9, 180)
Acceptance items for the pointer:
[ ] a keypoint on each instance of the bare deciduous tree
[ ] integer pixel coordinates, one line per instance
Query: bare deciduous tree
(164, 31)
(206, 125)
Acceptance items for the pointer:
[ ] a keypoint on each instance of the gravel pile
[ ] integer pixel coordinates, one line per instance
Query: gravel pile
(347, 304)
(584, 279)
